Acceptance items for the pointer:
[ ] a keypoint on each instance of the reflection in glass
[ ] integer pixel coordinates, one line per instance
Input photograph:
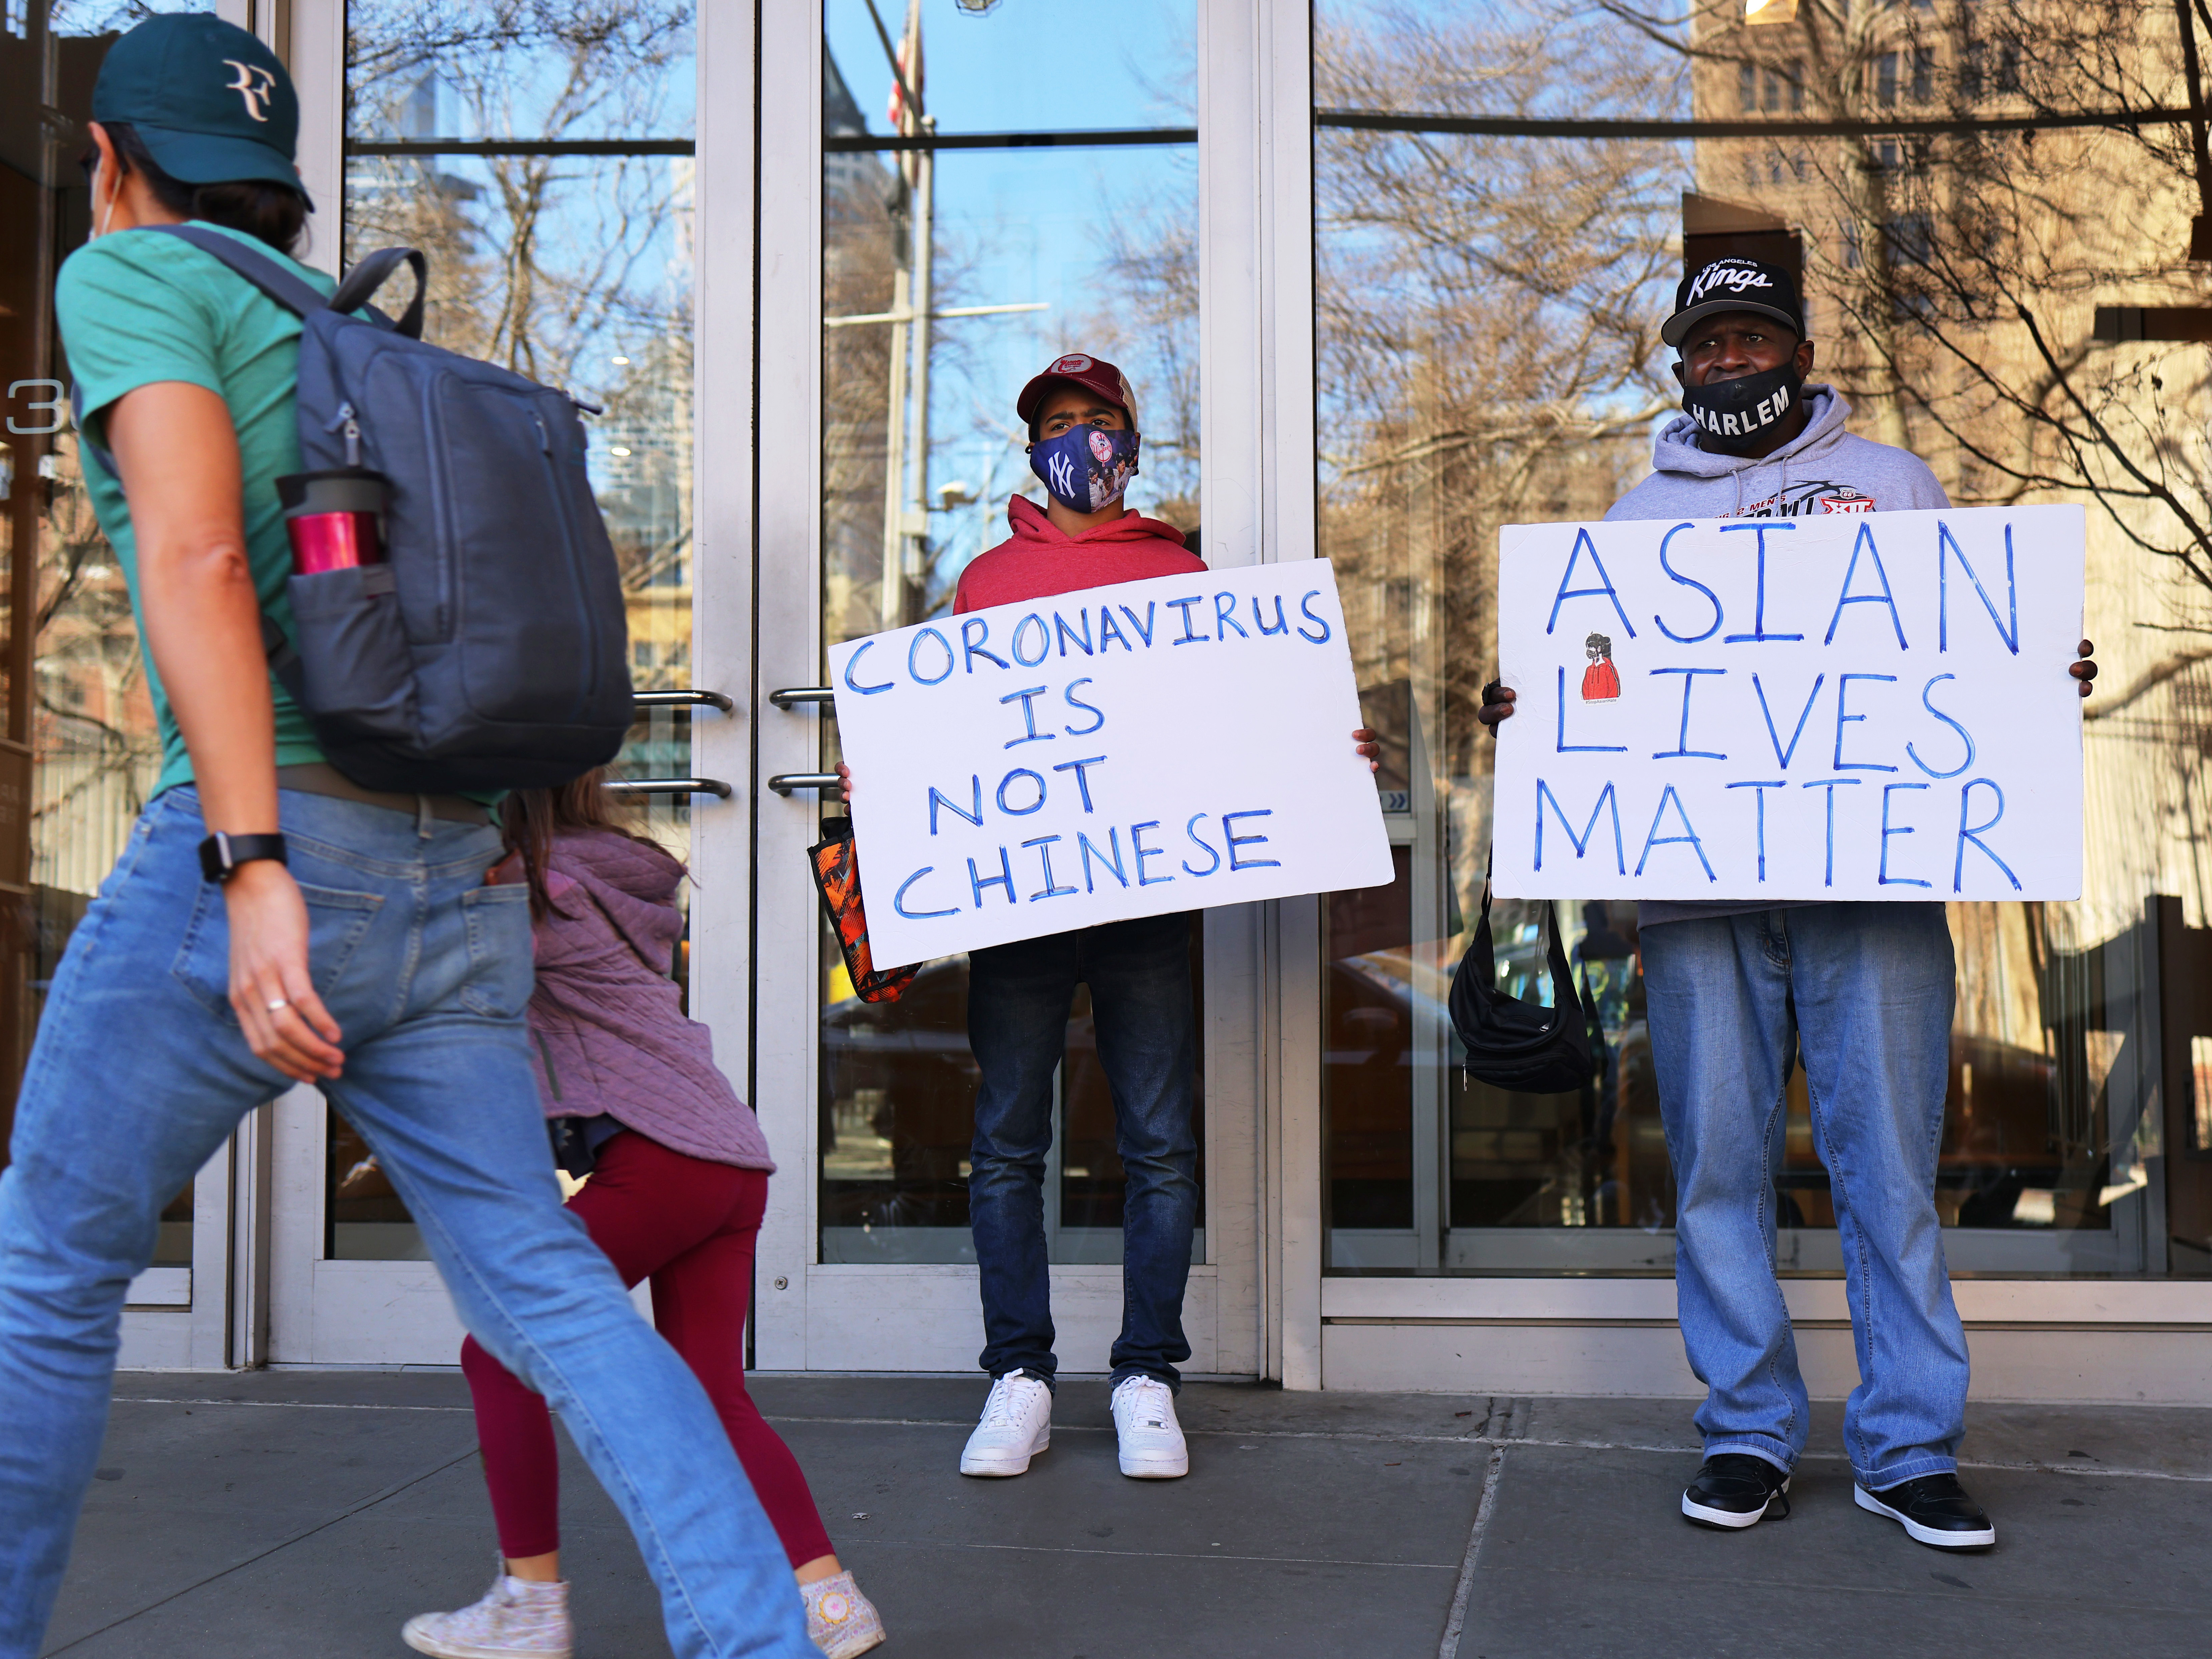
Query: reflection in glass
(363, 1216)
(576, 271)
(1481, 365)
(898, 1086)
(2068, 1146)
(949, 278)
(1487, 335)
(78, 747)
(172, 1244)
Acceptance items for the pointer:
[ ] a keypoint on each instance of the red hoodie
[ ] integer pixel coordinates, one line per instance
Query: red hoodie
(1042, 561)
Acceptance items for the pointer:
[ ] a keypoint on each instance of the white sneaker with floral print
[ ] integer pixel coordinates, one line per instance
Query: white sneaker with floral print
(516, 1617)
(839, 1621)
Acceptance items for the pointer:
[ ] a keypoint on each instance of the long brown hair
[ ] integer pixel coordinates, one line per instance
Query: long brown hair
(529, 819)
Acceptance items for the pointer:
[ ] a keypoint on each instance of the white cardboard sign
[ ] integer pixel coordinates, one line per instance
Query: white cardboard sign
(1152, 746)
(1855, 706)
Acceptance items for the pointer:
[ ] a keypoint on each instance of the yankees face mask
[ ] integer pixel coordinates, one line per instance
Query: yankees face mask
(1086, 468)
(1733, 416)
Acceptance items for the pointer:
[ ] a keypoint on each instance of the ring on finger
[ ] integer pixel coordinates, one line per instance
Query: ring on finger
(277, 1004)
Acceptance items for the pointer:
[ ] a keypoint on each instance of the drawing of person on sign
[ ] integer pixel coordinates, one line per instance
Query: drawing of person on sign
(1601, 680)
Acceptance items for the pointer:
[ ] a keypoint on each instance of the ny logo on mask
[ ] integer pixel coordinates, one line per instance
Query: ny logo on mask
(254, 85)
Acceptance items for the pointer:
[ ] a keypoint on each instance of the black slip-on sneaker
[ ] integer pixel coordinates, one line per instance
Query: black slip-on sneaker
(1933, 1510)
(1734, 1490)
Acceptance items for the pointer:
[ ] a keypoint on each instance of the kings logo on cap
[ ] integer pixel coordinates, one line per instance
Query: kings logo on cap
(1734, 284)
(1734, 274)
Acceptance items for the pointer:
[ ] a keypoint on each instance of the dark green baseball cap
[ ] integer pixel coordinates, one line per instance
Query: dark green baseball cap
(213, 104)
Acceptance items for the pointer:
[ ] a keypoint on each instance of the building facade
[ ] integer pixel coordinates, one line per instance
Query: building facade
(1385, 279)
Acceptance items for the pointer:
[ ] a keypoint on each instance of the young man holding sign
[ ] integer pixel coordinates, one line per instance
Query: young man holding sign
(1084, 447)
(1738, 990)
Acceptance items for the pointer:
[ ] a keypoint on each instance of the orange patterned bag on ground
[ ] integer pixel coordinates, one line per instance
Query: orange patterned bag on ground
(837, 874)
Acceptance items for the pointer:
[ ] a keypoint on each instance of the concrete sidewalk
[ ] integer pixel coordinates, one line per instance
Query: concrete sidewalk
(305, 1515)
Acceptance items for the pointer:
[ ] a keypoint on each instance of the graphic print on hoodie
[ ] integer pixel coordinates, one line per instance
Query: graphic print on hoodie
(1041, 560)
(1824, 469)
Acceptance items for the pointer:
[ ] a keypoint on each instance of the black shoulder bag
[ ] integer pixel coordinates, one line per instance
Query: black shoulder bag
(1524, 1046)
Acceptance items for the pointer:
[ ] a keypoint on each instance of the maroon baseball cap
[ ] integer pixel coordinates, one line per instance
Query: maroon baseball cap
(1080, 368)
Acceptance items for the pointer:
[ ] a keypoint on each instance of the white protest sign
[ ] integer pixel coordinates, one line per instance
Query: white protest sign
(1152, 746)
(1854, 706)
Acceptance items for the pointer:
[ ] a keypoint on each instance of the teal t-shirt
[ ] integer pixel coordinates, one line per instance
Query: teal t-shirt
(137, 307)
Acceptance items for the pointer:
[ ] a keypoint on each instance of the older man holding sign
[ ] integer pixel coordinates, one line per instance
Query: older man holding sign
(1033, 796)
(1830, 702)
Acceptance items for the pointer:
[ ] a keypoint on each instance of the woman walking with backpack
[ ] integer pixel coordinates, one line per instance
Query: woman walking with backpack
(676, 1185)
(272, 922)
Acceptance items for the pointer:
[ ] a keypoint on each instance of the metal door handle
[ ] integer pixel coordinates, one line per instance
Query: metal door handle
(681, 698)
(790, 697)
(667, 786)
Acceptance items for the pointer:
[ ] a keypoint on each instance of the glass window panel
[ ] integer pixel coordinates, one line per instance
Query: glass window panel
(1019, 253)
(172, 1244)
(1488, 310)
(78, 749)
(571, 268)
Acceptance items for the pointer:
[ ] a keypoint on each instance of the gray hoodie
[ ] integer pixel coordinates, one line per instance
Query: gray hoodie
(1824, 469)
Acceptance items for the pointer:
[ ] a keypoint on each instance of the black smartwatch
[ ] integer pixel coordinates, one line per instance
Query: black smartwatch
(221, 854)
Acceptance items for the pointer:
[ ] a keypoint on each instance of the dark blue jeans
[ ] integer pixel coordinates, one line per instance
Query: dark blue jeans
(1018, 997)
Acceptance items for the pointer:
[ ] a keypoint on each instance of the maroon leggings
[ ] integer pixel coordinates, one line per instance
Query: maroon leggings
(689, 1226)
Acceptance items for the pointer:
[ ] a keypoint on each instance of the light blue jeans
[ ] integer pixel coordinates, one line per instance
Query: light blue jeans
(1866, 989)
(140, 1071)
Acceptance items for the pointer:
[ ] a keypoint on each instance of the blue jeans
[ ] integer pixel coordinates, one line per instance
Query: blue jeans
(139, 1073)
(1018, 997)
(1866, 989)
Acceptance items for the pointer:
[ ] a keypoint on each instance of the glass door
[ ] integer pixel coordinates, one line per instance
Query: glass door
(978, 212)
(546, 166)
(78, 747)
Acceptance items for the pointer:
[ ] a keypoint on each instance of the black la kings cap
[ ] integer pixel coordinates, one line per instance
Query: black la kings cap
(212, 103)
(1734, 284)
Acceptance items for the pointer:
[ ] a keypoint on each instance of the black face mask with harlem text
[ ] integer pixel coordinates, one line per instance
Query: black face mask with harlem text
(1734, 416)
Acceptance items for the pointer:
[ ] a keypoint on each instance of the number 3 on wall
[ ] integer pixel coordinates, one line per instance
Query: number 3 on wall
(52, 404)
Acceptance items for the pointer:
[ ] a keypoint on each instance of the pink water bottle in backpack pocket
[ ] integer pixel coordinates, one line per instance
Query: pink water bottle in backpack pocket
(335, 519)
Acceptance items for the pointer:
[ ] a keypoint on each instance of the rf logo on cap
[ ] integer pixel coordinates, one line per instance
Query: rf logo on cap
(212, 104)
(254, 84)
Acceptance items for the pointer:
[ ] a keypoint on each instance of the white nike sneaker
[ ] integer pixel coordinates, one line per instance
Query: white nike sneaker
(516, 1617)
(1151, 1440)
(1017, 1425)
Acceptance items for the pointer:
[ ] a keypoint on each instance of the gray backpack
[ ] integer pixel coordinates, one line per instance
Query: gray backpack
(490, 650)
